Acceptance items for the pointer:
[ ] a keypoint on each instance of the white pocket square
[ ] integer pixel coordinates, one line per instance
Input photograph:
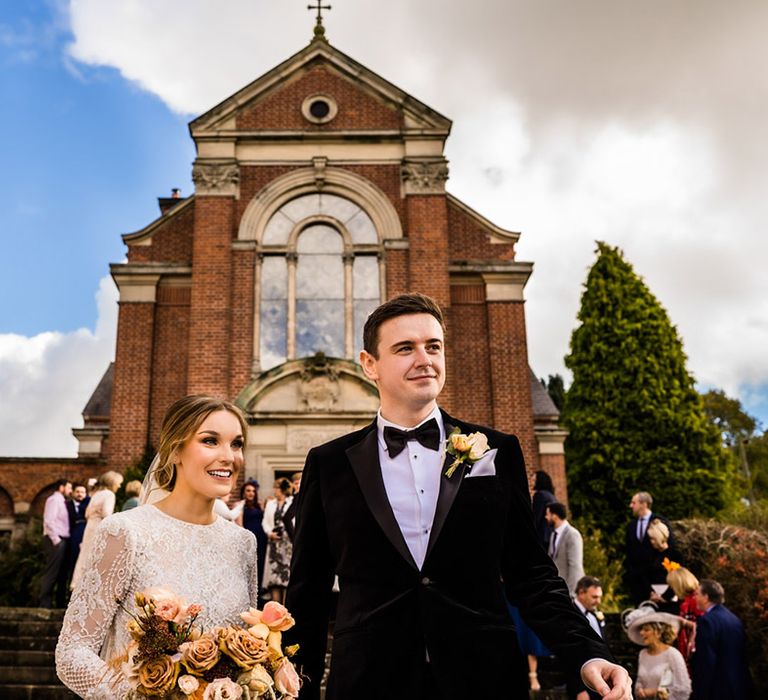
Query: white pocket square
(485, 466)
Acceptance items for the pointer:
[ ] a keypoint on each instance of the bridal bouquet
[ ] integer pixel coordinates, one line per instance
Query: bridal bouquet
(171, 658)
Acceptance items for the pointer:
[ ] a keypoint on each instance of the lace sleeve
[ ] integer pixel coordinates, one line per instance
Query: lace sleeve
(681, 682)
(91, 612)
(253, 554)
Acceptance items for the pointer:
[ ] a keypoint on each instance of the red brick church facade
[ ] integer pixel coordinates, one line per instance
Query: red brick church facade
(319, 192)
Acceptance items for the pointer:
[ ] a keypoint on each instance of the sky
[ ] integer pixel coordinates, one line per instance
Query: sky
(639, 124)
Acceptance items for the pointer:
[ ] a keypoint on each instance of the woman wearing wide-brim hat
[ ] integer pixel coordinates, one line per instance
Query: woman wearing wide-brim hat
(661, 671)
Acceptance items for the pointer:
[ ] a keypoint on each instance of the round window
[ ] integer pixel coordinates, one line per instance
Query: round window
(319, 109)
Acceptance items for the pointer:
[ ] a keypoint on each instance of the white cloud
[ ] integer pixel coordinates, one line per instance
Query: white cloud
(639, 124)
(47, 380)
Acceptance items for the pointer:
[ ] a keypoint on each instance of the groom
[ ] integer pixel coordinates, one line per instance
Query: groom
(425, 562)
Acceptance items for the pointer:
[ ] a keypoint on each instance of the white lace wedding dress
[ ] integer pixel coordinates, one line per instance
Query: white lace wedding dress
(211, 565)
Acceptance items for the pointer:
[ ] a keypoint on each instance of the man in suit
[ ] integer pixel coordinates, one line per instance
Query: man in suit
(589, 593)
(719, 665)
(289, 517)
(55, 536)
(76, 511)
(424, 561)
(566, 546)
(641, 557)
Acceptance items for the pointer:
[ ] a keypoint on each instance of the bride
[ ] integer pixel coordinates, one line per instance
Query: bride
(174, 541)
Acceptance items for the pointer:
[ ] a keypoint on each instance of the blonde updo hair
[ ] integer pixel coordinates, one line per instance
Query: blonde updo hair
(658, 531)
(182, 419)
(682, 582)
(109, 480)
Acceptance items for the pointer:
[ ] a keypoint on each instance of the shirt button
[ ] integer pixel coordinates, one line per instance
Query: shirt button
(426, 531)
(422, 490)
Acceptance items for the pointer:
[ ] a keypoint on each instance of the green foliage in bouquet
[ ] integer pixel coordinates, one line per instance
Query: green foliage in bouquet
(635, 421)
(21, 567)
(737, 557)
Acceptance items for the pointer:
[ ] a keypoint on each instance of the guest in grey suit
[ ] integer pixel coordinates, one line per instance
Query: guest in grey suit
(566, 546)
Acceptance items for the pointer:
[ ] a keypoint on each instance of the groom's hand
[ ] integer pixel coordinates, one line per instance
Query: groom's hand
(611, 681)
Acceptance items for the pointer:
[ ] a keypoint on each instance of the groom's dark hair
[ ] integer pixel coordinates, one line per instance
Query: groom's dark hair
(399, 306)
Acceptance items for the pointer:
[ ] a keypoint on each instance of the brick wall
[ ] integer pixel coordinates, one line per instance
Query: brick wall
(129, 420)
(469, 367)
(171, 241)
(241, 322)
(209, 329)
(511, 391)
(470, 240)
(554, 465)
(31, 479)
(281, 110)
(171, 346)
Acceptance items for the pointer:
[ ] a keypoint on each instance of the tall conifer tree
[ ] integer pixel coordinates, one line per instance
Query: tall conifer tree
(636, 422)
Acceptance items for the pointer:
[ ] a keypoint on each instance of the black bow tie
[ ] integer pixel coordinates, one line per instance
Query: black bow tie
(428, 434)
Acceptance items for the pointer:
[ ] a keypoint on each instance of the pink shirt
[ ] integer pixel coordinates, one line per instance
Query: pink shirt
(55, 517)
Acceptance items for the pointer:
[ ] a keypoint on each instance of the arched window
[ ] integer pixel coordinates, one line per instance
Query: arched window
(320, 277)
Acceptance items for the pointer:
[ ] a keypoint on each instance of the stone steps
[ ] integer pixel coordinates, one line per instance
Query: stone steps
(27, 666)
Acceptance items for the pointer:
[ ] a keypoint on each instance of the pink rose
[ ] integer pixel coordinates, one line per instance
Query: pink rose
(223, 689)
(277, 617)
(286, 679)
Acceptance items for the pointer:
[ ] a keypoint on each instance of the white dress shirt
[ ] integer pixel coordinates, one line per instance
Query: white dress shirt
(412, 483)
(591, 618)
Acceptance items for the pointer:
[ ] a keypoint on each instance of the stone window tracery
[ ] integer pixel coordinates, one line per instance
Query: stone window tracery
(319, 277)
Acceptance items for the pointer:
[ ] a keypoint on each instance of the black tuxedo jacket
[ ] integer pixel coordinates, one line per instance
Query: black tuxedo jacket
(642, 560)
(482, 548)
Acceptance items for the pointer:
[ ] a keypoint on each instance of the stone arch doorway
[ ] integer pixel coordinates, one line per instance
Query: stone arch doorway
(298, 405)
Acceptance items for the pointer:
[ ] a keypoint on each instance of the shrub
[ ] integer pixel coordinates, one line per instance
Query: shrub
(21, 566)
(598, 563)
(737, 557)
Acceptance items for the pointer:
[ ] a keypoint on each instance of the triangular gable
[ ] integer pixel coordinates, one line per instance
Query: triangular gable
(319, 54)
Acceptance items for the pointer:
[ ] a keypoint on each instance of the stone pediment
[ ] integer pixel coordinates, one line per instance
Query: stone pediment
(235, 115)
(316, 386)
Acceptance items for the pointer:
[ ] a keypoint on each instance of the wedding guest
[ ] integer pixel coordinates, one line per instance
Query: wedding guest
(589, 593)
(102, 505)
(290, 514)
(684, 584)
(277, 567)
(640, 554)
(132, 492)
(173, 540)
(251, 517)
(566, 546)
(543, 494)
(55, 536)
(661, 670)
(719, 663)
(76, 507)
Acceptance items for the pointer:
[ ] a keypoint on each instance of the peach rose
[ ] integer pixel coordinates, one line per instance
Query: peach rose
(277, 617)
(223, 689)
(130, 667)
(188, 684)
(478, 445)
(200, 655)
(286, 679)
(158, 676)
(243, 648)
(460, 442)
(167, 605)
(257, 680)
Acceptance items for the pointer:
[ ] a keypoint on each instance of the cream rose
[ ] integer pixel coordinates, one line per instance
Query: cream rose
(223, 689)
(478, 445)
(257, 680)
(460, 442)
(188, 684)
(286, 679)
(243, 648)
(130, 667)
(200, 655)
(158, 676)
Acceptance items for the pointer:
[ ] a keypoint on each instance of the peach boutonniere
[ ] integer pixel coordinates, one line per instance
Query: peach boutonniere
(465, 449)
